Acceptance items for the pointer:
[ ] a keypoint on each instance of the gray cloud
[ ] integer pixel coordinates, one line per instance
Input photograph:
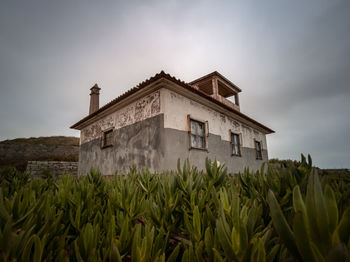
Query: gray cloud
(291, 59)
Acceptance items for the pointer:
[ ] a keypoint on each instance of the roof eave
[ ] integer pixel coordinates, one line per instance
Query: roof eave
(216, 73)
(115, 101)
(159, 76)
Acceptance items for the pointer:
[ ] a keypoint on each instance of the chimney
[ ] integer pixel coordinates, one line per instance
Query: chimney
(94, 99)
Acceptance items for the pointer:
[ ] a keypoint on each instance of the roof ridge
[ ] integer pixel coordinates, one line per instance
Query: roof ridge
(144, 82)
(180, 82)
(125, 94)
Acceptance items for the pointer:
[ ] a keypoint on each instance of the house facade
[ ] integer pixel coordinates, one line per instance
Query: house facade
(164, 119)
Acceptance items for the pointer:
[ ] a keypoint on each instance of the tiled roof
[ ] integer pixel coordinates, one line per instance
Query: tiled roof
(179, 82)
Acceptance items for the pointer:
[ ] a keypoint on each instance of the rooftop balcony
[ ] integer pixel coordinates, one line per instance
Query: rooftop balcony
(219, 88)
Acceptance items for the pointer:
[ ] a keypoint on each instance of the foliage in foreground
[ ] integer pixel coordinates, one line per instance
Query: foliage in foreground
(188, 215)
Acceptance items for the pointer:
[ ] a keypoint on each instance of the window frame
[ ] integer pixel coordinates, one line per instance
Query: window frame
(239, 136)
(103, 138)
(258, 152)
(205, 135)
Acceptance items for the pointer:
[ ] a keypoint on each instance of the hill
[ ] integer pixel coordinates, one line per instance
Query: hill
(19, 151)
(46, 140)
(280, 164)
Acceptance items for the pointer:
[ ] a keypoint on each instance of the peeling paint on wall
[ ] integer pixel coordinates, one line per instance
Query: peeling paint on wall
(138, 144)
(139, 110)
(223, 118)
(177, 107)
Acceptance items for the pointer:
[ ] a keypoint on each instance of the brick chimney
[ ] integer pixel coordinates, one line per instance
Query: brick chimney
(94, 99)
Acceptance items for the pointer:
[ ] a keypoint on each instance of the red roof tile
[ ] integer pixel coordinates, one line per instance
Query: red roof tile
(179, 82)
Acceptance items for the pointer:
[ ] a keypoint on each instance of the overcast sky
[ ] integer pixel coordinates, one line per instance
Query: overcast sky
(290, 58)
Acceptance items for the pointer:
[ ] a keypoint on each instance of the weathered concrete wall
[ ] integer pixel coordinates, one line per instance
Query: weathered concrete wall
(139, 110)
(176, 146)
(176, 108)
(148, 144)
(140, 143)
(152, 133)
(56, 168)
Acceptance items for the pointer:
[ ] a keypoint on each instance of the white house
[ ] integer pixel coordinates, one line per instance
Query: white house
(164, 119)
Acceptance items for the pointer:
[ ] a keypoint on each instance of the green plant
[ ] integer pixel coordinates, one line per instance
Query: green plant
(318, 234)
(187, 215)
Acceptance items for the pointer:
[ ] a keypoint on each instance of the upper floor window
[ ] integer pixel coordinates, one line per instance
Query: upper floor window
(258, 149)
(107, 139)
(197, 134)
(236, 144)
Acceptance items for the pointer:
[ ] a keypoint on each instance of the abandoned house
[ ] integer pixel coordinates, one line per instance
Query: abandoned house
(164, 119)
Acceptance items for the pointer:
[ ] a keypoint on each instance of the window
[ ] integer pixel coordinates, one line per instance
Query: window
(107, 139)
(236, 144)
(197, 134)
(258, 149)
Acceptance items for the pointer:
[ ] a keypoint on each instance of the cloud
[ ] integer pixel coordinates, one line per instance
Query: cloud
(291, 60)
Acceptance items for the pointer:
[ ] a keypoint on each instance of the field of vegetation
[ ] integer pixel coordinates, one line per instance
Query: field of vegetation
(285, 214)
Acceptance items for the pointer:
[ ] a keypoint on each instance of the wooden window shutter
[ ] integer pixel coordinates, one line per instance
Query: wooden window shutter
(101, 141)
(240, 143)
(230, 135)
(206, 128)
(256, 149)
(188, 125)
(230, 140)
(206, 134)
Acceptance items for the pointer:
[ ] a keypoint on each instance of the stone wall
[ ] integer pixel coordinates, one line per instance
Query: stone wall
(18, 154)
(56, 168)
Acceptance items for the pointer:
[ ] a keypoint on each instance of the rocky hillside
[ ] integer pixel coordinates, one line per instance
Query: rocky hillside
(18, 151)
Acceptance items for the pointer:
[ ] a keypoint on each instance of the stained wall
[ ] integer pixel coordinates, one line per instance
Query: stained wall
(139, 144)
(139, 110)
(176, 107)
(136, 138)
(152, 132)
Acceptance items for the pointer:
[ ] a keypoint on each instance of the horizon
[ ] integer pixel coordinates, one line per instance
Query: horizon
(291, 60)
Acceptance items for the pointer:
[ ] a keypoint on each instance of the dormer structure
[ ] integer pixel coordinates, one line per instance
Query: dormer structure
(218, 87)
